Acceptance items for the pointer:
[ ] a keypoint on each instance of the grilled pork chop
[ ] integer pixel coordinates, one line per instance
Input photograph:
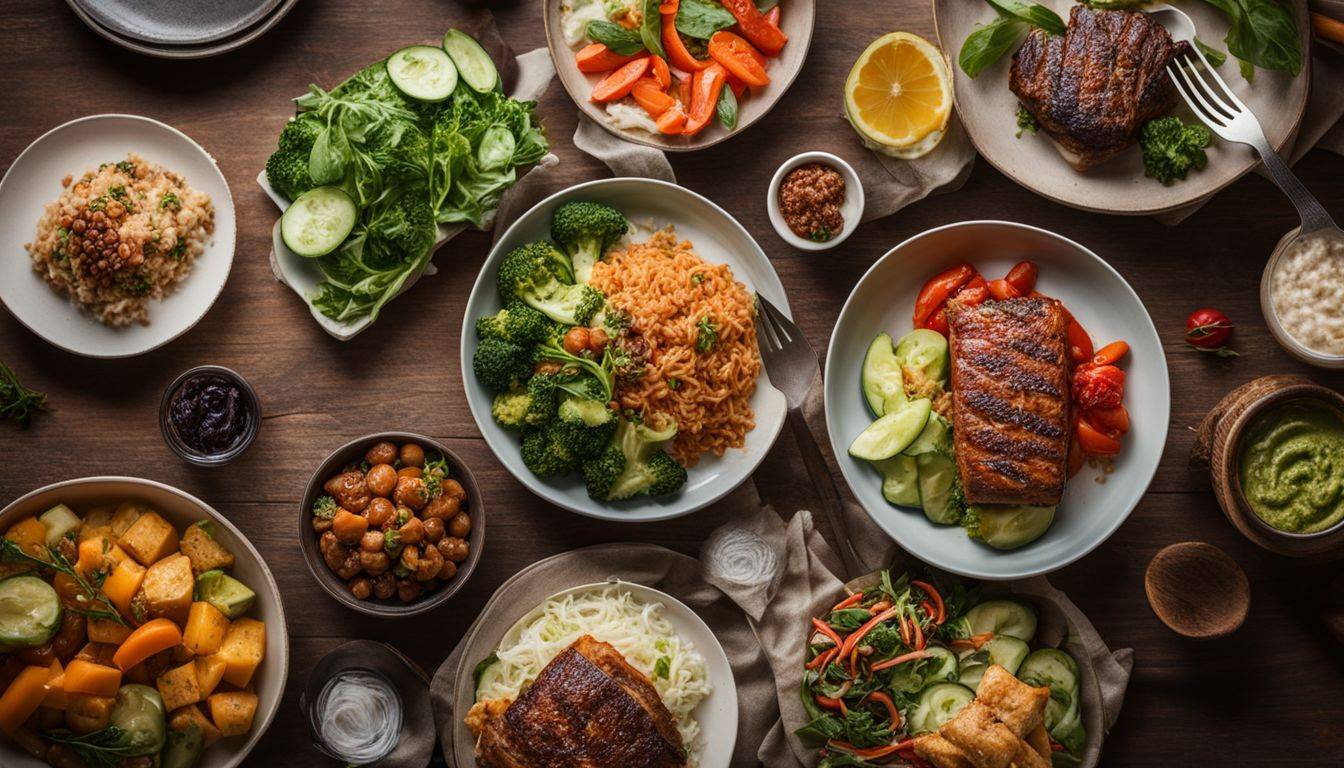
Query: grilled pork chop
(1092, 89)
(1010, 400)
(587, 709)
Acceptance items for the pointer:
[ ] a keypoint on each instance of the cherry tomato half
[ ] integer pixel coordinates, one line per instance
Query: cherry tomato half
(1022, 277)
(973, 293)
(939, 289)
(1113, 422)
(1208, 328)
(1098, 386)
(1094, 442)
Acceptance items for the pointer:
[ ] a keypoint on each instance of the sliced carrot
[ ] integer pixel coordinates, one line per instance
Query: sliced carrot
(649, 95)
(677, 55)
(767, 38)
(147, 640)
(911, 656)
(1111, 353)
(22, 698)
(738, 57)
(706, 86)
(660, 72)
(617, 85)
(857, 597)
(893, 713)
(879, 606)
(672, 121)
(597, 58)
(934, 595)
(821, 659)
(86, 677)
(826, 630)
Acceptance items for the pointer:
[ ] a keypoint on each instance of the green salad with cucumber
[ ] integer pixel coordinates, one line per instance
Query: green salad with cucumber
(902, 657)
(906, 387)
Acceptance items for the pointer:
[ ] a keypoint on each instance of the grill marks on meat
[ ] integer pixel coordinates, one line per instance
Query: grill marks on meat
(587, 709)
(1010, 400)
(1092, 89)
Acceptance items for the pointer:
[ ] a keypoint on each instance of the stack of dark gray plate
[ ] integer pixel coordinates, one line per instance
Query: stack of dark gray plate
(181, 29)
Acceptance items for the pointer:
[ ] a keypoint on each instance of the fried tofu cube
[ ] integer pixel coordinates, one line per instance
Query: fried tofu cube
(190, 715)
(205, 630)
(178, 686)
(242, 651)
(125, 515)
(149, 539)
(209, 672)
(233, 711)
(940, 752)
(199, 544)
(986, 742)
(168, 586)
(1016, 704)
(97, 522)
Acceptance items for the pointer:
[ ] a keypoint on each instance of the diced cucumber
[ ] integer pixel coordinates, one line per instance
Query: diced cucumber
(936, 705)
(881, 377)
(59, 520)
(473, 63)
(900, 480)
(1057, 670)
(30, 613)
(318, 221)
(937, 486)
(1012, 526)
(1002, 617)
(892, 433)
(925, 351)
(1007, 652)
(935, 437)
(423, 73)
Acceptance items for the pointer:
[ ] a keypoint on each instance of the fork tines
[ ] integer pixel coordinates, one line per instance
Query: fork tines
(1205, 91)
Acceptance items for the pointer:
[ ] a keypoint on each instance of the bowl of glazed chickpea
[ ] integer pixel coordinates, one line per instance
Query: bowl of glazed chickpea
(392, 524)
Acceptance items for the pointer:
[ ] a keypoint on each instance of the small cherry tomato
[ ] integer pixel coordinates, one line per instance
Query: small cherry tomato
(1099, 386)
(1208, 328)
(1114, 422)
(939, 289)
(1080, 344)
(1094, 442)
(973, 293)
(1022, 277)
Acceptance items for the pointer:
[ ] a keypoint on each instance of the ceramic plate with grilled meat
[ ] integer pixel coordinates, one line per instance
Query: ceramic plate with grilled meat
(1092, 89)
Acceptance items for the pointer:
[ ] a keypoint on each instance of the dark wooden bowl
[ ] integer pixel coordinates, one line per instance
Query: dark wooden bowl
(1197, 590)
(1219, 446)
(350, 453)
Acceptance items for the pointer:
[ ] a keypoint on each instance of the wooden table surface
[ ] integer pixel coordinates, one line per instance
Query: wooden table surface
(1271, 694)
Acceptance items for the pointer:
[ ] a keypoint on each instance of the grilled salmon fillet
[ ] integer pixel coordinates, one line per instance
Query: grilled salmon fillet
(587, 709)
(1010, 400)
(1092, 89)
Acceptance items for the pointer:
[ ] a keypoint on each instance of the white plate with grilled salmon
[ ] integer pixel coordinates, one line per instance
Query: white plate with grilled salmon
(1047, 104)
(997, 398)
(612, 673)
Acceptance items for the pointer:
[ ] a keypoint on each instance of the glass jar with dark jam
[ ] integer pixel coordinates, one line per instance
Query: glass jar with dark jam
(209, 415)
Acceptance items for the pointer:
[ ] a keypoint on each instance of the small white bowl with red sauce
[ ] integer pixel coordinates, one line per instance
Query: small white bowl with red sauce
(796, 179)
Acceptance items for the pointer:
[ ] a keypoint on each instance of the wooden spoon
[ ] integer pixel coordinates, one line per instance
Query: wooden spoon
(1197, 590)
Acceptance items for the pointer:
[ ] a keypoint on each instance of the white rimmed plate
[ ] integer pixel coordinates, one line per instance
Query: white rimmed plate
(181, 509)
(716, 714)
(718, 239)
(35, 180)
(1103, 303)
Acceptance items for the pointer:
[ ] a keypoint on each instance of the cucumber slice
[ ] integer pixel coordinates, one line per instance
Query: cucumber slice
(900, 480)
(1057, 670)
(318, 221)
(936, 705)
(1003, 617)
(423, 73)
(892, 433)
(30, 613)
(1010, 527)
(473, 63)
(937, 485)
(1007, 652)
(946, 671)
(1073, 737)
(935, 437)
(940, 666)
(881, 377)
(59, 520)
(925, 351)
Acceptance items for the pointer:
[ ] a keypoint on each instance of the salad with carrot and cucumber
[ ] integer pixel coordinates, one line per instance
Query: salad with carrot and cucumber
(673, 67)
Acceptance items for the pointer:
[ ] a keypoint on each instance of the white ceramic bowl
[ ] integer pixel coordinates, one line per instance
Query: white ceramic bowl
(718, 239)
(35, 180)
(852, 210)
(180, 509)
(1291, 345)
(1103, 303)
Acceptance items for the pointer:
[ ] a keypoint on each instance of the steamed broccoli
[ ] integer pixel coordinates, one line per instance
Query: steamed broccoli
(546, 457)
(634, 463)
(523, 407)
(500, 365)
(1171, 148)
(517, 323)
(553, 351)
(300, 134)
(287, 170)
(539, 275)
(586, 230)
(584, 426)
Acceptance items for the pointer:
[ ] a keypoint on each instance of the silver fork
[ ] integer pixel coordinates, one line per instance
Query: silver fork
(1214, 103)
(793, 366)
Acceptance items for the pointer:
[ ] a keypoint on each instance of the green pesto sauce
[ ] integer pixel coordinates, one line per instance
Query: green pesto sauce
(1292, 467)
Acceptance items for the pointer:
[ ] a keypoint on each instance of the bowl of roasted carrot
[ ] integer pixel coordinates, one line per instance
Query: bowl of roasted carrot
(678, 75)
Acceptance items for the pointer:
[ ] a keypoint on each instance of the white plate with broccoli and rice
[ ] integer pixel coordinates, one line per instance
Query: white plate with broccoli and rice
(609, 351)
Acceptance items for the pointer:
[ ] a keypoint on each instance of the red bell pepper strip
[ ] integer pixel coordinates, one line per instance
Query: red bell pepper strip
(893, 713)
(660, 72)
(651, 97)
(768, 38)
(599, 58)
(706, 86)
(857, 597)
(617, 85)
(826, 630)
(671, 122)
(677, 55)
(938, 290)
(821, 659)
(852, 641)
(937, 599)
(971, 643)
(911, 656)
(738, 57)
(827, 702)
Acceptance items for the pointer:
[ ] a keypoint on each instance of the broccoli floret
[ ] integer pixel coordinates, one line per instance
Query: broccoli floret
(585, 410)
(510, 409)
(300, 134)
(546, 457)
(586, 230)
(287, 170)
(500, 365)
(517, 323)
(584, 426)
(539, 275)
(634, 463)
(601, 372)
(1171, 148)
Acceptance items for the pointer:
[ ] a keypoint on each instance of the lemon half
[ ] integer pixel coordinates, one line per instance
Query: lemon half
(899, 95)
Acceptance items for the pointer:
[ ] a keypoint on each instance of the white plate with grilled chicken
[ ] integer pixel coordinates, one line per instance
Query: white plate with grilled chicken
(978, 461)
(1084, 149)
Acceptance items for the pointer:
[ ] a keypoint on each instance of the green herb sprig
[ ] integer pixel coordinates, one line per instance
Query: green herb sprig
(17, 402)
(11, 552)
(100, 749)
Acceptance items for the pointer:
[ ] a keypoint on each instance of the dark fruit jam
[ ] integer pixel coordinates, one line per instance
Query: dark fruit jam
(210, 413)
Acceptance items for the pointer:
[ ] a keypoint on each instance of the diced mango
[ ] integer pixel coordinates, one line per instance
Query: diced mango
(23, 696)
(199, 544)
(122, 585)
(107, 631)
(168, 585)
(94, 679)
(209, 671)
(205, 630)
(149, 539)
(31, 536)
(178, 686)
(242, 651)
(192, 715)
(232, 712)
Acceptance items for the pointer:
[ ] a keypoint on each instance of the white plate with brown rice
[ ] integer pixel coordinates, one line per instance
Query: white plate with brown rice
(117, 234)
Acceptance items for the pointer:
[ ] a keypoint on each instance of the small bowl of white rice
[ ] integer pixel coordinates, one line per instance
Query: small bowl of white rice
(1302, 297)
